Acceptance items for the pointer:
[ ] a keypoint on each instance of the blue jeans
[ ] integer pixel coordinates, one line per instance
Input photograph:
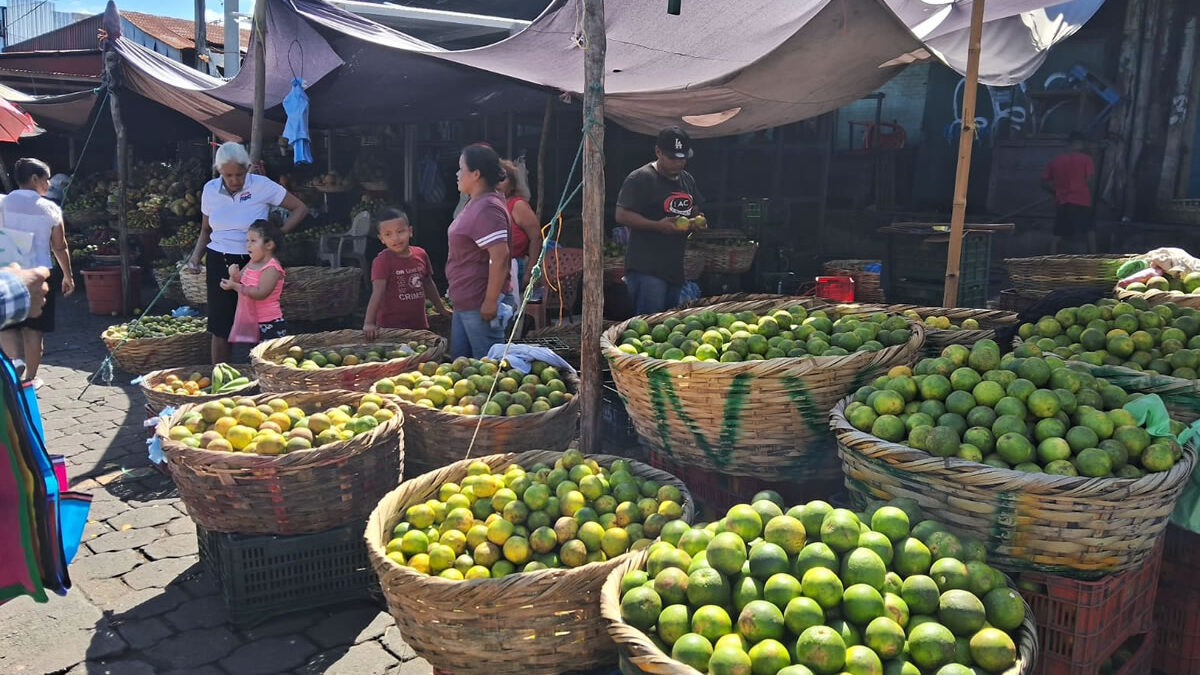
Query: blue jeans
(471, 336)
(651, 294)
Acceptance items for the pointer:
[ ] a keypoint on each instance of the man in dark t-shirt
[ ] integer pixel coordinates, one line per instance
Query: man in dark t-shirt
(650, 201)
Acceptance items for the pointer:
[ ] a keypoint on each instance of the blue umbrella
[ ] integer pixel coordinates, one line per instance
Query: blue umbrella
(295, 104)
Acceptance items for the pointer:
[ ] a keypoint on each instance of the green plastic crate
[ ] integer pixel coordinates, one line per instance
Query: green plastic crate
(916, 268)
(262, 576)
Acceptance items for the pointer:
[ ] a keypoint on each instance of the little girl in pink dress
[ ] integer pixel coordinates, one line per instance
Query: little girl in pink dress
(259, 286)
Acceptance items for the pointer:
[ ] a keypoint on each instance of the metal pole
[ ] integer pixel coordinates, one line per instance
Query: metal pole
(260, 80)
(593, 223)
(233, 40)
(959, 215)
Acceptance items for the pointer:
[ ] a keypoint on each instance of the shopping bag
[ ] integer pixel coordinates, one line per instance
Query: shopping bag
(245, 326)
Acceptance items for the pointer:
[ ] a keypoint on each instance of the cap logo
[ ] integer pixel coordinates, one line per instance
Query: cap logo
(678, 144)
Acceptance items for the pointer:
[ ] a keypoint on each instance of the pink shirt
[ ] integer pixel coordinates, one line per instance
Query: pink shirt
(267, 309)
(483, 223)
(1069, 175)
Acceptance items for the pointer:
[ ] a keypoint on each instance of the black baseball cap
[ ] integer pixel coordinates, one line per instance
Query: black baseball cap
(675, 142)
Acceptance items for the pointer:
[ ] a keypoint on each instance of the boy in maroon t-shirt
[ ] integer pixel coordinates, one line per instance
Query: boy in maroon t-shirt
(401, 279)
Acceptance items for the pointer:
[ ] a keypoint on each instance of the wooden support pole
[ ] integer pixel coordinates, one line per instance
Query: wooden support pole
(200, 36)
(966, 142)
(260, 80)
(111, 65)
(593, 223)
(541, 159)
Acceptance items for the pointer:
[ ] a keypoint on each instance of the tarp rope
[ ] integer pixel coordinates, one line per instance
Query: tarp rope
(535, 275)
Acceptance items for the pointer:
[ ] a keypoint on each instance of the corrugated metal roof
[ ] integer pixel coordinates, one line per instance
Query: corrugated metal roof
(177, 33)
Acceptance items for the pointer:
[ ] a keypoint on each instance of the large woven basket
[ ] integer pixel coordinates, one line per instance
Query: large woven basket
(274, 376)
(638, 654)
(172, 289)
(543, 622)
(711, 300)
(157, 400)
(435, 438)
(143, 355)
(938, 339)
(294, 493)
(1054, 272)
(1182, 397)
(764, 419)
(1157, 297)
(726, 258)
(315, 293)
(309, 293)
(1057, 524)
(694, 261)
(866, 284)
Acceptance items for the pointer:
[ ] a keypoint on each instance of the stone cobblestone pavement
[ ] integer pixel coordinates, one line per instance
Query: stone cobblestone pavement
(142, 603)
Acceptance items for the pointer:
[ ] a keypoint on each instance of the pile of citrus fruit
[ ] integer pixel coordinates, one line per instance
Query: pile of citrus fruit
(158, 327)
(222, 378)
(1164, 339)
(1029, 414)
(315, 359)
(787, 332)
(524, 519)
(942, 322)
(462, 387)
(819, 590)
(275, 427)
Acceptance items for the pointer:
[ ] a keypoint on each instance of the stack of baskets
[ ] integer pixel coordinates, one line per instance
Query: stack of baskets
(865, 274)
(142, 355)
(763, 419)
(266, 359)
(435, 438)
(309, 293)
(543, 622)
(1033, 521)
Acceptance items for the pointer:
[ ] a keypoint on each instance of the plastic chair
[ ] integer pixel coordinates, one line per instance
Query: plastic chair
(333, 248)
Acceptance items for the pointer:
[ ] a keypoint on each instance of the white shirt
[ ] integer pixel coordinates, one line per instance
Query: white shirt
(230, 216)
(27, 211)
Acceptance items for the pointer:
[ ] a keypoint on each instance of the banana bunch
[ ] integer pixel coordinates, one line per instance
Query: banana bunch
(226, 378)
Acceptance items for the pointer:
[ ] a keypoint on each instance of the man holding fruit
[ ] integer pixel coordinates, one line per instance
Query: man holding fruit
(660, 204)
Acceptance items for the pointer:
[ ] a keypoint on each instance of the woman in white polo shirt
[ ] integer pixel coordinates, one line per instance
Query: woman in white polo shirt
(230, 203)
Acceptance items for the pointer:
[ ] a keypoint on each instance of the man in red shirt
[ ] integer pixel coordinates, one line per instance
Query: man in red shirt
(1071, 177)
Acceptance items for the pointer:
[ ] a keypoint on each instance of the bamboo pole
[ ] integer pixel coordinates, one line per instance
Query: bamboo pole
(111, 65)
(260, 81)
(966, 142)
(541, 158)
(593, 223)
(200, 36)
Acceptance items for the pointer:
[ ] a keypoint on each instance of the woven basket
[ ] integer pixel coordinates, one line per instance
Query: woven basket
(157, 400)
(638, 654)
(295, 493)
(1182, 397)
(1054, 272)
(694, 261)
(315, 293)
(764, 419)
(374, 186)
(938, 339)
(274, 376)
(711, 300)
(1184, 211)
(85, 218)
(725, 258)
(1012, 300)
(440, 325)
(435, 438)
(173, 290)
(143, 355)
(543, 622)
(309, 293)
(1157, 297)
(866, 284)
(1057, 524)
(195, 286)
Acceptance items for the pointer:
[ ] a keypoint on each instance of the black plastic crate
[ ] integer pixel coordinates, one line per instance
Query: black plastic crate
(916, 256)
(620, 437)
(262, 576)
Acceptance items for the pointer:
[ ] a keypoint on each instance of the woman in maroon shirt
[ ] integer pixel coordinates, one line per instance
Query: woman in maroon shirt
(477, 267)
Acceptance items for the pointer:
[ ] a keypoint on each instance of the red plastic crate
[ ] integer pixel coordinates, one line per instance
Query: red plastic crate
(1143, 656)
(1182, 548)
(1079, 622)
(1177, 612)
(715, 492)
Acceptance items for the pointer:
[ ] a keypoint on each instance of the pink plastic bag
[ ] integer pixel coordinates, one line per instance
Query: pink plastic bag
(245, 325)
